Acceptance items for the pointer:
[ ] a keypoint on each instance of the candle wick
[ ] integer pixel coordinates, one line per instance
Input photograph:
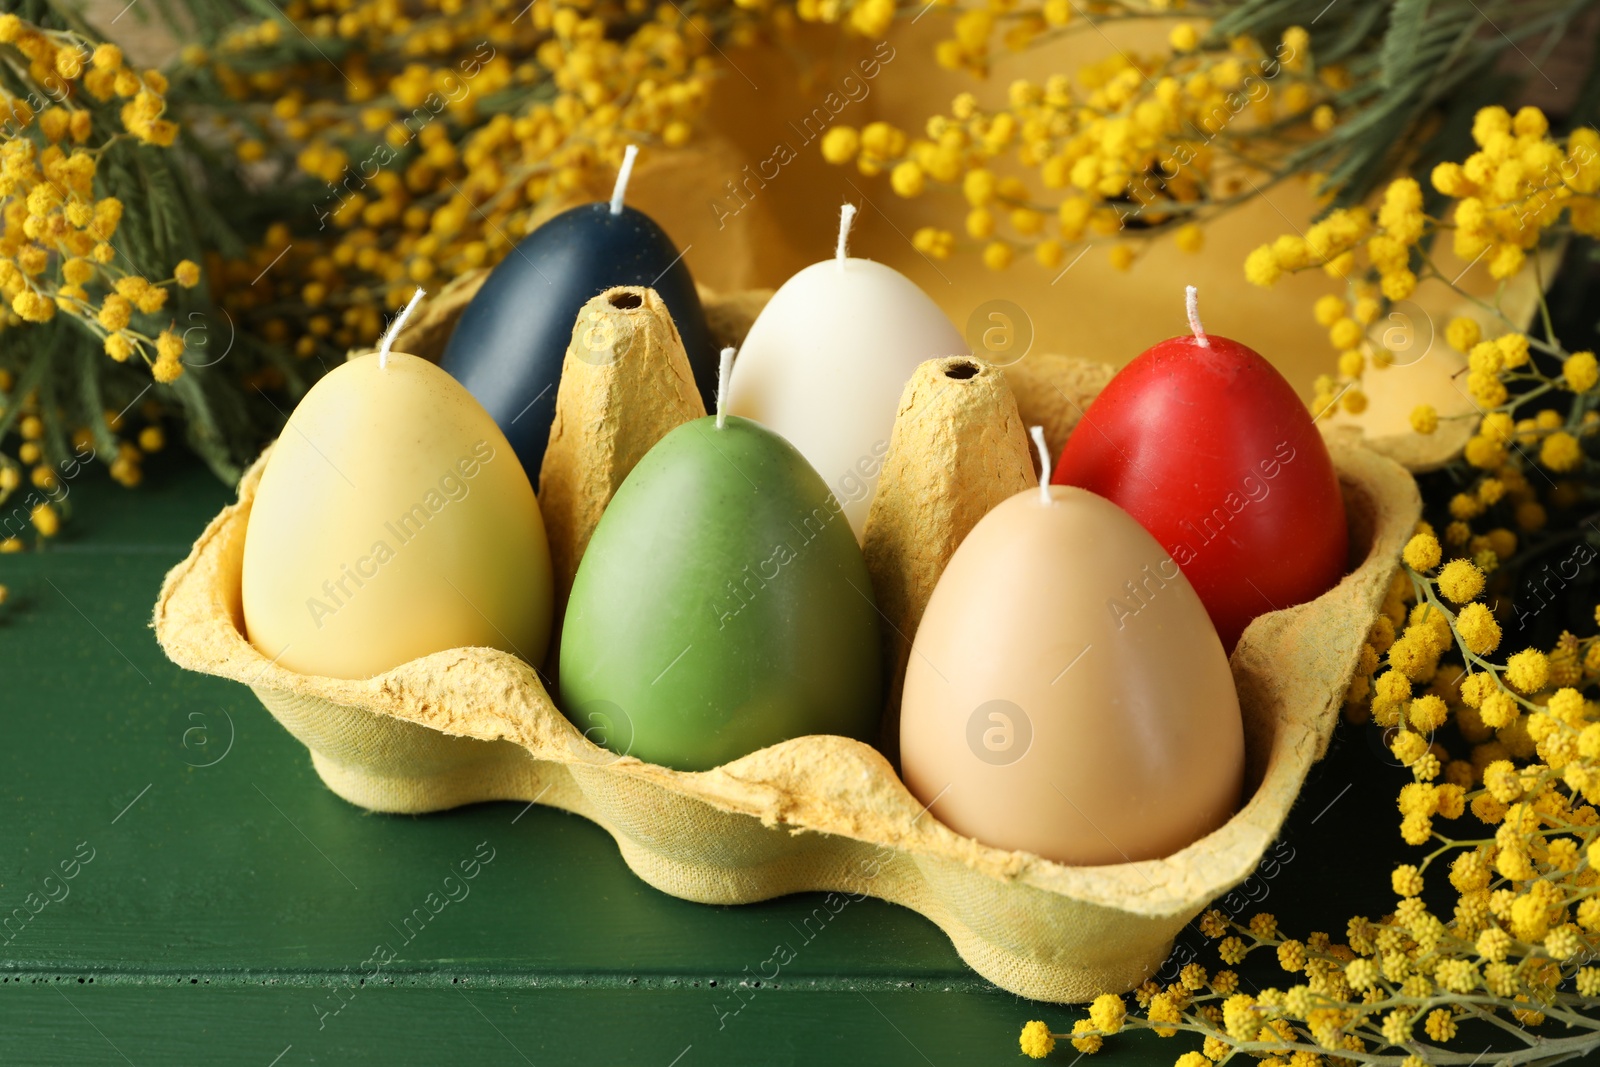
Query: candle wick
(1044, 464)
(624, 172)
(1191, 300)
(723, 374)
(395, 327)
(847, 214)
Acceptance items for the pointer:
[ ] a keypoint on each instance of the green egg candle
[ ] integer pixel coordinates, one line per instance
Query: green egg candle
(722, 605)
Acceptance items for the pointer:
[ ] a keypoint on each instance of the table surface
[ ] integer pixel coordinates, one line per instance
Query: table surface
(225, 906)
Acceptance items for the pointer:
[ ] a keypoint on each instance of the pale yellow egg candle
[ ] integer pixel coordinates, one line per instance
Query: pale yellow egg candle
(393, 521)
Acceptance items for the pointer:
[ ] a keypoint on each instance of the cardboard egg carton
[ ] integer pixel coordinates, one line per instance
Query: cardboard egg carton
(823, 812)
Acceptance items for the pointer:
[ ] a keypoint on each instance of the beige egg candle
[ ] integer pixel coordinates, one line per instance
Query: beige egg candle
(825, 362)
(392, 521)
(1067, 694)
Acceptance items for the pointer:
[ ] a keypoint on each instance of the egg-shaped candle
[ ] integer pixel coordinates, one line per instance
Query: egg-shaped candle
(722, 605)
(1203, 442)
(825, 362)
(1037, 716)
(392, 520)
(509, 344)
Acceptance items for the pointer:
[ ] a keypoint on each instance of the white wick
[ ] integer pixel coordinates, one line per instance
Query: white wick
(1044, 464)
(395, 327)
(847, 215)
(620, 190)
(1191, 300)
(723, 373)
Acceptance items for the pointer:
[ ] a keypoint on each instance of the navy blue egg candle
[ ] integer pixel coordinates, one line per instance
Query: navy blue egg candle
(510, 341)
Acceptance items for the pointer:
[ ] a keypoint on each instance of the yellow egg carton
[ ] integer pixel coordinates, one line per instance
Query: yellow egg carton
(821, 812)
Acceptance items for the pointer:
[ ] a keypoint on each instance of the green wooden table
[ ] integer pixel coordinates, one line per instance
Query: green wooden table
(225, 907)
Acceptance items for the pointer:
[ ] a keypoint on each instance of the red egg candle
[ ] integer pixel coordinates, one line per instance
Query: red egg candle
(1206, 444)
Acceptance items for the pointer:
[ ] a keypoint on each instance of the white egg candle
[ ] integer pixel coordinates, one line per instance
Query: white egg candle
(825, 363)
(392, 521)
